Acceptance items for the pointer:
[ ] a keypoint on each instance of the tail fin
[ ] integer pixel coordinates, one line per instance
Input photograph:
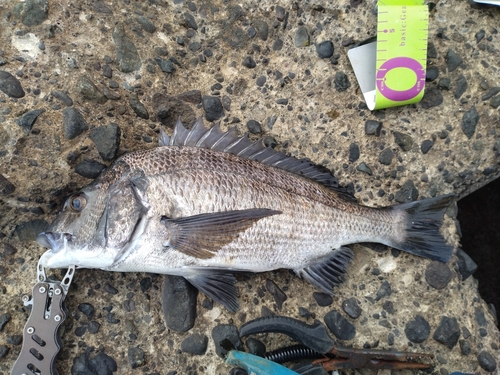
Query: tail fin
(424, 219)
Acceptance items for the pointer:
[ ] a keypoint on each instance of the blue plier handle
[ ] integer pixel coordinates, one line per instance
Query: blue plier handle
(256, 365)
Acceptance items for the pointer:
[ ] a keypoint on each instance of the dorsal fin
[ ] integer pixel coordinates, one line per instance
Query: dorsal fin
(215, 139)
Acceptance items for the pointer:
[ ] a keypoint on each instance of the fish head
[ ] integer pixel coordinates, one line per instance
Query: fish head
(94, 227)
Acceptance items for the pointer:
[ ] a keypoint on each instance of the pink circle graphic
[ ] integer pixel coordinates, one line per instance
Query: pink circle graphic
(401, 62)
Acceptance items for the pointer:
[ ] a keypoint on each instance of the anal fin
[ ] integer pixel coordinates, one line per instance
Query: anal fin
(327, 273)
(219, 286)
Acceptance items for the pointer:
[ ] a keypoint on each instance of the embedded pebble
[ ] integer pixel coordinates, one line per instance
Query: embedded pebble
(8, 250)
(262, 29)
(407, 193)
(226, 337)
(324, 49)
(340, 326)
(63, 97)
(178, 300)
(255, 347)
(341, 81)
(135, 357)
(461, 87)
(431, 73)
(32, 12)
(432, 97)
(426, 145)
(438, 274)
(403, 140)
(301, 37)
(417, 330)
(73, 123)
(212, 107)
(110, 289)
(166, 66)
(28, 230)
(10, 85)
(107, 140)
(6, 187)
(15, 340)
(195, 344)
(362, 167)
(353, 152)
(469, 122)
(322, 299)
(139, 108)
(89, 90)
(249, 62)
(452, 60)
(87, 309)
(27, 120)
(254, 127)
(385, 157)
(101, 364)
(146, 24)
(492, 91)
(351, 308)
(464, 347)
(189, 21)
(384, 290)
(4, 319)
(444, 84)
(278, 295)
(89, 168)
(373, 127)
(4, 350)
(448, 332)
(486, 361)
(127, 56)
(93, 327)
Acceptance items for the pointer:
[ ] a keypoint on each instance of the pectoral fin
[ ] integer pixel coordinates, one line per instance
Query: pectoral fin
(201, 236)
(218, 286)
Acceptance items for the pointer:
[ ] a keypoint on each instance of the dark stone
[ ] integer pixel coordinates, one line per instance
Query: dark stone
(195, 344)
(278, 295)
(195, 46)
(87, 309)
(110, 289)
(226, 102)
(432, 97)
(373, 127)
(277, 45)
(15, 340)
(139, 108)
(282, 101)
(32, 12)
(146, 284)
(403, 140)
(10, 85)
(146, 24)
(136, 357)
(169, 109)
(212, 107)
(8, 249)
(431, 74)
(256, 347)
(63, 97)
(166, 66)
(102, 364)
(448, 332)
(127, 56)
(261, 81)
(444, 83)
(426, 146)
(280, 13)
(364, 168)
(189, 21)
(339, 326)
(249, 62)
(408, 193)
(28, 230)
(452, 60)
(73, 122)
(385, 157)
(27, 120)
(480, 318)
(384, 290)
(89, 168)
(111, 319)
(469, 122)
(417, 330)
(495, 102)
(466, 266)
(323, 299)
(107, 140)
(226, 337)
(178, 300)
(80, 331)
(341, 81)
(100, 7)
(324, 49)
(353, 152)
(461, 87)
(192, 96)
(107, 71)
(6, 187)
(4, 319)
(389, 307)
(351, 308)
(492, 91)
(254, 127)
(464, 347)
(486, 361)
(93, 327)
(301, 37)
(89, 90)
(4, 350)
(262, 29)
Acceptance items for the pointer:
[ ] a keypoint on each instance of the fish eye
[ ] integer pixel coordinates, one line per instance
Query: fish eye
(77, 203)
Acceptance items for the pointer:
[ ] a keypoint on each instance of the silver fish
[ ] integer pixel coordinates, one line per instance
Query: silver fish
(207, 203)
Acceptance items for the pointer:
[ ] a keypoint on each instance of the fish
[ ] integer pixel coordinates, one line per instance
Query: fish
(206, 204)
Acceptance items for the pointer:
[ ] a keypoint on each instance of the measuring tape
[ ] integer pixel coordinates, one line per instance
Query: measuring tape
(391, 71)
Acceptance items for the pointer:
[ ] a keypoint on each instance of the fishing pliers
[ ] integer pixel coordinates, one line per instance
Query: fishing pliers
(317, 343)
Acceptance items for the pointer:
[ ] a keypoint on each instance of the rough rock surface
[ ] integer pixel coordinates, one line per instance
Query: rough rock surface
(244, 62)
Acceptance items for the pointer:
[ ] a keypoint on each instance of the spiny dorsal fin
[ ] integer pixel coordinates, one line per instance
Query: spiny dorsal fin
(215, 139)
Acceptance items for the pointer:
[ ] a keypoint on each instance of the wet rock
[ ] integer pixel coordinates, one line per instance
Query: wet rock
(4, 350)
(384, 290)
(146, 24)
(4, 319)
(166, 66)
(438, 274)
(189, 21)
(249, 62)
(178, 300)
(87, 309)
(254, 127)
(301, 37)
(6, 187)
(262, 29)
(432, 97)
(73, 123)
(256, 347)
(341, 81)
(364, 168)
(135, 357)
(403, 140)
(28, 230)
(486, 361)
(101, 364)
(63, 97)
(373, 127)
(407, 193)
(89, 90)
(466, 266)
(323, 299)
(417, 330)
(469, 122)
(27, 120)
(32, 12)
(461, 87)
(324, 49)
(452, 60)
(351, 308)
(226, 337)
(10, 85)
(426, 146)
(340, 326)
(139, 108)
(353, 152)
(127, 56)
(385, 157)
(107, 140)
(195, 344)
(89, 168)
(212, 107)
(278, 295)
(448, 332)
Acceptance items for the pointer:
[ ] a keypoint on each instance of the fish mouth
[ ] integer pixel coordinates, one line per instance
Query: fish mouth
(54, 241)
